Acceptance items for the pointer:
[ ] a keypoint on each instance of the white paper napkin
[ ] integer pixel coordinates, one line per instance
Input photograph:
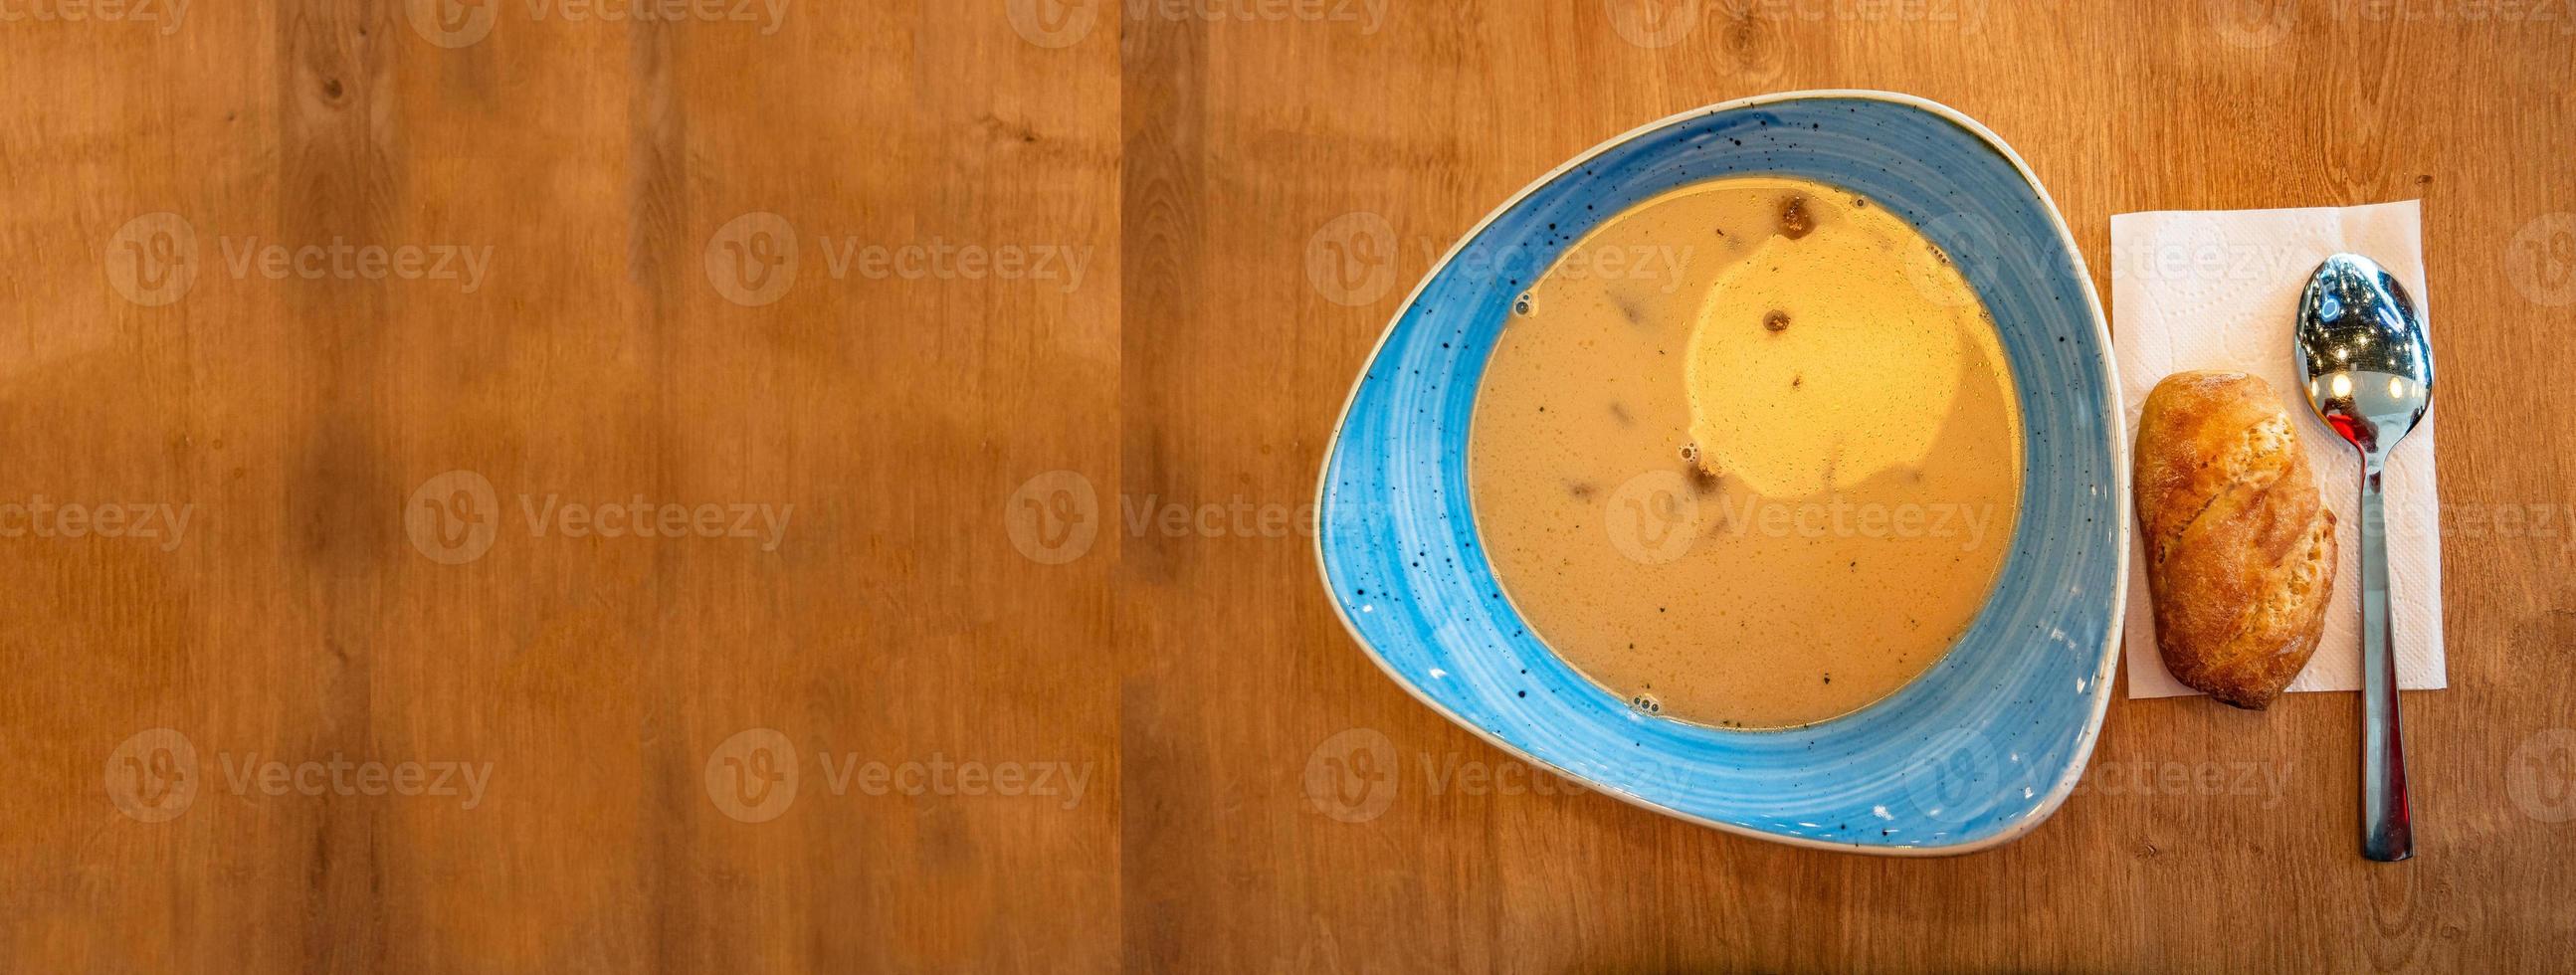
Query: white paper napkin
(2217, 289)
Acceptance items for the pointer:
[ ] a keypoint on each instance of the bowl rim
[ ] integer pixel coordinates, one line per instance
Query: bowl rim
(2106, 662)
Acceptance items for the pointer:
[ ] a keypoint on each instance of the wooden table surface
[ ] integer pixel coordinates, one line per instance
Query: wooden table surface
(791, 486)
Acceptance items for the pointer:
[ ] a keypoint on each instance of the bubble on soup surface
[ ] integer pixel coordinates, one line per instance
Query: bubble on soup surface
(1795, 221)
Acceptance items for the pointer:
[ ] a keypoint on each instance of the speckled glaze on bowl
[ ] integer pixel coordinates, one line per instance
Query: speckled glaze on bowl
(1976, 751)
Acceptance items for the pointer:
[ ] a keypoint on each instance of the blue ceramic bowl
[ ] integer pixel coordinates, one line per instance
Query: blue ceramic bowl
(1976, 751)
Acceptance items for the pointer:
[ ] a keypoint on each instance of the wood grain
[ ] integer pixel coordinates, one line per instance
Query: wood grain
(1045, 510)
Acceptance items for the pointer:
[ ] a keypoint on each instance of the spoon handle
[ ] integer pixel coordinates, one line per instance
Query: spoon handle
(2387, 830)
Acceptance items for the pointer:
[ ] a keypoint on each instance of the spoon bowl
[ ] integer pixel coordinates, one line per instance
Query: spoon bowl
(2363, 356)
(2367, 367)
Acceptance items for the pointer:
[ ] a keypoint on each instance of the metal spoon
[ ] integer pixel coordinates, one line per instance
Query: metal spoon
(2369, 373)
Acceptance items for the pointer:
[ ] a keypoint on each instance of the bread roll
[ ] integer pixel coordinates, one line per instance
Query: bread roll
(2240, 551)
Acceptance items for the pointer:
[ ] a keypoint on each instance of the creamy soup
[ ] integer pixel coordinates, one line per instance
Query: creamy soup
(1748, 454)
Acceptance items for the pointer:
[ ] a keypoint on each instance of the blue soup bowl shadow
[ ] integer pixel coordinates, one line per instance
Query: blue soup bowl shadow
(1976, 751)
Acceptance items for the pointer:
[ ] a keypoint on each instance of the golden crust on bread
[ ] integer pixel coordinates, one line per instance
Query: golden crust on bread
(2240, 551)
